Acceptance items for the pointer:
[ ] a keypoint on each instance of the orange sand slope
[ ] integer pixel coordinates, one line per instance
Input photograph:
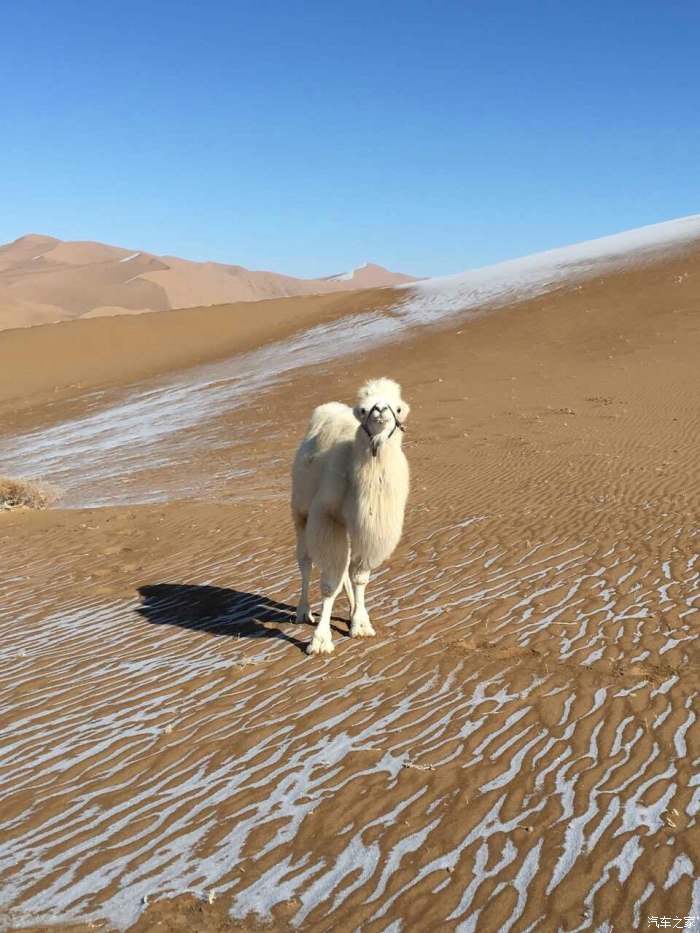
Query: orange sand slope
(516, 750)
(45, 280)
(94, 354)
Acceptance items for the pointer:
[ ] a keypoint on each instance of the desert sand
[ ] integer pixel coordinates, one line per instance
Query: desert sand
(46, 280)
(518, 747)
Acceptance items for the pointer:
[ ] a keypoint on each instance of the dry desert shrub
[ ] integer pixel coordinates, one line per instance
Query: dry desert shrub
(25, 494)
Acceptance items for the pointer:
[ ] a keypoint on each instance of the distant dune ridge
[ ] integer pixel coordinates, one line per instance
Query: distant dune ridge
(43, 280)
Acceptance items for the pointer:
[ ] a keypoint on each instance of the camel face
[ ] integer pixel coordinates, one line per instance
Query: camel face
(380, 408)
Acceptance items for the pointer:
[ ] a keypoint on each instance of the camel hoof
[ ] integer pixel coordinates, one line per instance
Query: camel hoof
(319, 646)
(361, 628)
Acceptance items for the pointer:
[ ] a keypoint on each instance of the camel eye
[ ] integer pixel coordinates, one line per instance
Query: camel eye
(398, 410)
(363, 411)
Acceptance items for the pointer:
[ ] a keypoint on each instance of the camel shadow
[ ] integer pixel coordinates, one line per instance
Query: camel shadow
(217, 610)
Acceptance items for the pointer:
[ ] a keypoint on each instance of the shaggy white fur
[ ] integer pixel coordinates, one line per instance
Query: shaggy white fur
(349, 491)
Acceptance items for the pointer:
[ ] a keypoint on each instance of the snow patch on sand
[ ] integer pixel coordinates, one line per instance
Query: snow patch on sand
(533, 275)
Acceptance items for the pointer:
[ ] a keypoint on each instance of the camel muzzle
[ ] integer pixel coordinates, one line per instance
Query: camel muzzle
(376, 439)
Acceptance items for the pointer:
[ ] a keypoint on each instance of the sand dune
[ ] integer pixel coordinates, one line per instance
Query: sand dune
(43, 279)
(516, 750)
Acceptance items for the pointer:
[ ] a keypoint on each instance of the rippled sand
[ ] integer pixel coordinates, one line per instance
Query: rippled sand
(518, 749)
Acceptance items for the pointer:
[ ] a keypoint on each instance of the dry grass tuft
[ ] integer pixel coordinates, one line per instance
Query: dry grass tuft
(25, 494)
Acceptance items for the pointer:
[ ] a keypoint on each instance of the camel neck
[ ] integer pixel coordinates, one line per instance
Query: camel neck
(388, 448)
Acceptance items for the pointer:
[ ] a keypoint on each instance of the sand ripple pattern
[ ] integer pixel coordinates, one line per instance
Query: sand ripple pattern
(521, 737)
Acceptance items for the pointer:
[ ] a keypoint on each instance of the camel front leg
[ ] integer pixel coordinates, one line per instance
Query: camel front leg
(322, 642)
(360, 626)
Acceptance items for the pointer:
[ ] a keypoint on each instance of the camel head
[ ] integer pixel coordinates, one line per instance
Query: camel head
(381, 411)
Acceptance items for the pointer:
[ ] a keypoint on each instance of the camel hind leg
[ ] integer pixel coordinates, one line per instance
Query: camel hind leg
(330, 549)
(347, 586)
(304, 613)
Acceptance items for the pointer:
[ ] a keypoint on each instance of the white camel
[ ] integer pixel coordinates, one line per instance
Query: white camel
(349, 491)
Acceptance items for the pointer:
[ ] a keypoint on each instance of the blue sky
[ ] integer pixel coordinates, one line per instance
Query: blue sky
(309, 137)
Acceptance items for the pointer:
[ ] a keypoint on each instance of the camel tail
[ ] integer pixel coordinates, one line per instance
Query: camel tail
(348, 592)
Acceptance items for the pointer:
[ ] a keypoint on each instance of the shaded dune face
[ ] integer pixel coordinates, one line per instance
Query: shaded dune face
(516, 750)
(81, 289)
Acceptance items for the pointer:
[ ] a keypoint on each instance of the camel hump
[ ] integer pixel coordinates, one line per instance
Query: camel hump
(331, 423)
